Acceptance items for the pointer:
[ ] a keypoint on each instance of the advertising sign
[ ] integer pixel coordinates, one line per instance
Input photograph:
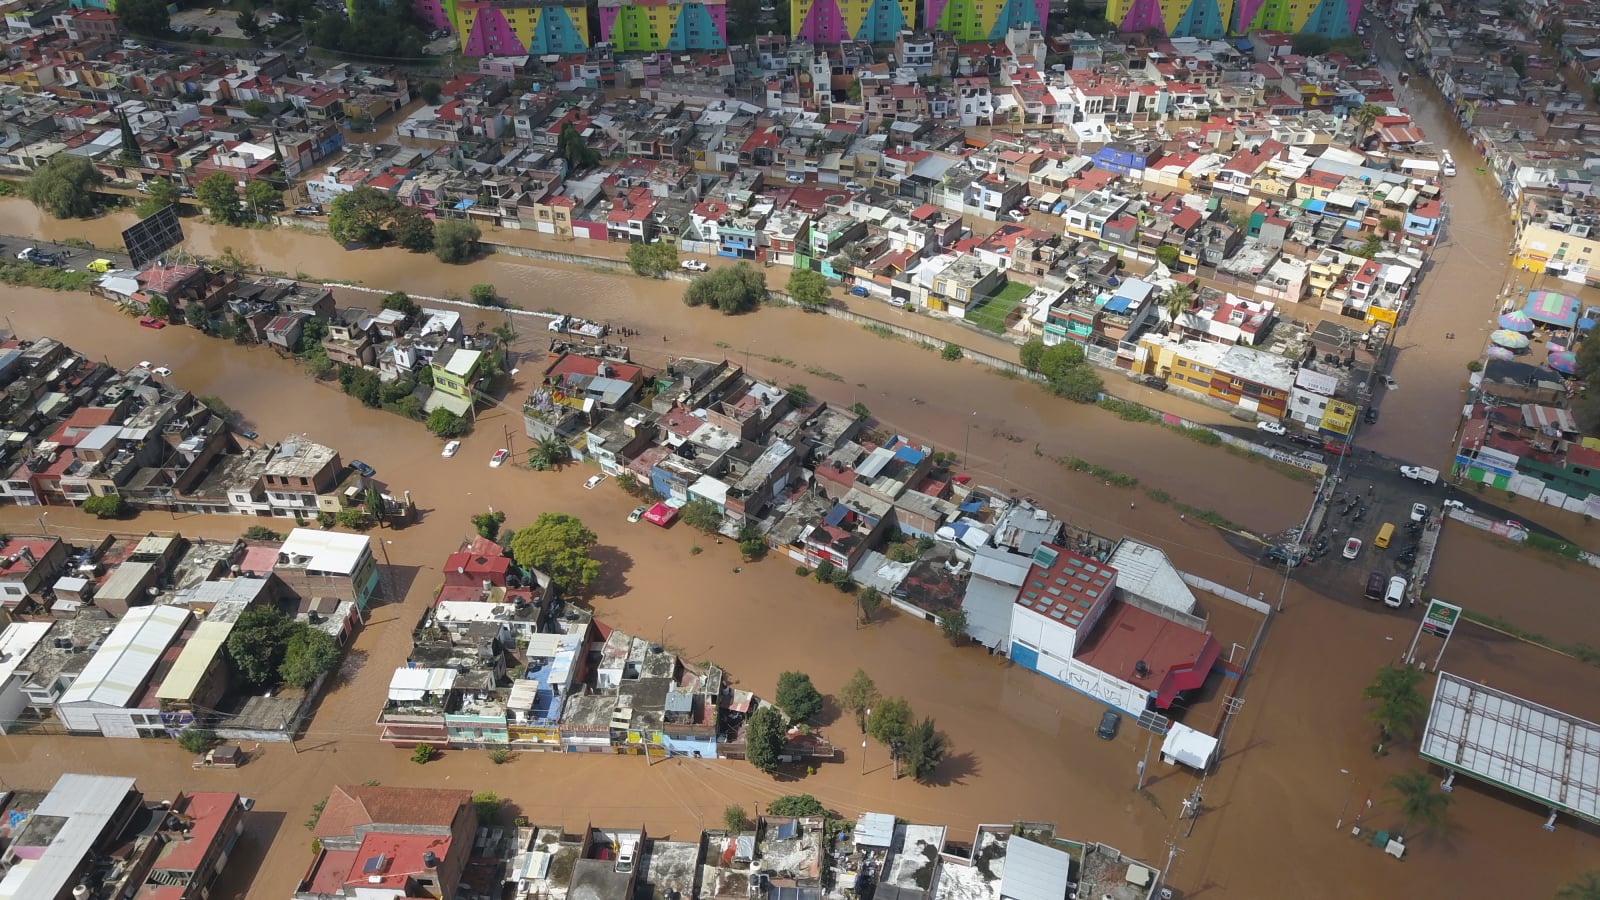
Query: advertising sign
(1440, 618)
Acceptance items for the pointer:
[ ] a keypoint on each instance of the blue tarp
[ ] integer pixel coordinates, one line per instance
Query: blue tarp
(974, 506)
(1117, 304)
(837, 514)
(465, 204)
(908, 453)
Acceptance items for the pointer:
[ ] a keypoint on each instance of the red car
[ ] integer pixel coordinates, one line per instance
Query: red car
(152, 322)
(1337, 449)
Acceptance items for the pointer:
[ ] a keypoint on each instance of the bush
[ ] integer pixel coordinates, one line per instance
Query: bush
(107, 506)
(736, 290)
(454, 241)
(423, 754)
(797, 696)
(1128, 412)
(652, 260)
(483, 294)
(197, 740)
(500, 756)
(261, 533)
(808, 288)
(446, 424)
(1474, 366)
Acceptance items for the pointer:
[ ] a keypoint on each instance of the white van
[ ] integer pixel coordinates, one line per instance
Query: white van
(1396, 595)
(1448, 166)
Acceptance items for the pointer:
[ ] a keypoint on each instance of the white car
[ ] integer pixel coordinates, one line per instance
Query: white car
(693, 265)
(1352, 548)
(1419, 512)
(593, 482)
(856, 186)
(1271, 428)
(498, 458)
(1457, 504)
(450, 449)
(163, 371)
(144, 363)
(795, 178)
(637, 514)
(1389, 382)
(1017, 215)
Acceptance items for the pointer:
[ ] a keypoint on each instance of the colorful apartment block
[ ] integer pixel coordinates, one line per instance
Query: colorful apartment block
(1215, 18)
(835, 21)
(510, 27)
(984, 20)
(645, 25)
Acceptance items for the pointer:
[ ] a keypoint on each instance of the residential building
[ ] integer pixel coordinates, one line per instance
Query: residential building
(61, 841)
(329, 564)
(840, 21)
(510, 27)
(456, 372)
(298, 471)
(17, 642)
(974, 20)
(380, 841)
(116, 676)
(634, 25)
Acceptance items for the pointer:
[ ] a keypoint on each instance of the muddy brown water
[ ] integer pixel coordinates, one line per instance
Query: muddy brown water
(1021, 746)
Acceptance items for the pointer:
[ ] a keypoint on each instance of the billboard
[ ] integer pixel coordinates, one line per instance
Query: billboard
(1440, 618)
(152, 236)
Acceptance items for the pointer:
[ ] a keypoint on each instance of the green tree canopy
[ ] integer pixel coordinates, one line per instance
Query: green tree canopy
(105, 506)
(923, 749)
(764, 734)
(1168, 255)
(483, 294)
(160, 193)
(797, 696)
(412, 230)
(1421, 803)
(257, 644)
(858, 694)
(734, 290)
(220, 197)
(144, 17)
(446, 424)
(307, 654)
(455, 240)
(262, 198)
(1585, 886)
(734, 818)
(255, 109)
(796, 805)
(808, 288)
(488, 523)
(360, 216)
(954, 624)
(1399, 702)
(890, 721)
(430, 91)
(571, 147)
(402, 303)
(701, 515)
(558, 545)
(64, 186)
(651, 260)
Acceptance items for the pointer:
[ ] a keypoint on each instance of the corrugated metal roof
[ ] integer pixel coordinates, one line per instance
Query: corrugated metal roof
(1144, 571)
(123, 663)
(877, 830)
(87, 803)
(1034, 871)
(198, 653)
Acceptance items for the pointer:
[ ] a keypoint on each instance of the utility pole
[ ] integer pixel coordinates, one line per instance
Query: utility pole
(1172, 853)
(1191, 805)
(1144, 763)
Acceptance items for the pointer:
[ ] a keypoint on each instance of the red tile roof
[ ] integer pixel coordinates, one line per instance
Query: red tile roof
(351, 805)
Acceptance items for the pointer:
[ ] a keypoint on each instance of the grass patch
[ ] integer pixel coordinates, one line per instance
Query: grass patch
(1208, 516)
(1553, 546)
(48, 277)
(1126, 410)
(882, 331)
(780, 361)
(824, 373)
(1158, 495)
(1581, 652)
(993, 313)
(1198, 435)
(1109, 476)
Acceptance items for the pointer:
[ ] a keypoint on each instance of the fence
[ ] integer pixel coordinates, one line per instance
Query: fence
(1226, 593)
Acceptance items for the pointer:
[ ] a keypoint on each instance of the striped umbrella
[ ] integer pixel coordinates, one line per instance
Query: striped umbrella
(1565, 362)
(1516, 320)
(1500, 353)
(1511, 339)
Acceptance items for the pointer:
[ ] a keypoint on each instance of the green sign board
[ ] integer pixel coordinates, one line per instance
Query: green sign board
(1440, 618)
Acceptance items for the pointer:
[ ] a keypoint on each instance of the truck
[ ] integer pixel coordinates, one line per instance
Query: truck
(1420, 473)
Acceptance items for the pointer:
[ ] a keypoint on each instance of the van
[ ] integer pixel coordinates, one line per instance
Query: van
(1396, 595)
(1384, 534)
(1375, 585)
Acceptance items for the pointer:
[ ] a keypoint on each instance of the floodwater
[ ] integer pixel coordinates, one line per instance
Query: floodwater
(1022, 747)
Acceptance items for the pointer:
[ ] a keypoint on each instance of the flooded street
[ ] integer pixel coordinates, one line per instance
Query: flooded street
(1021, 747)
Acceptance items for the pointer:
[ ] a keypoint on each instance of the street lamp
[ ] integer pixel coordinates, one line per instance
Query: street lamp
(42, 526)
(1354, 783)
(966, 451)
(664, 632)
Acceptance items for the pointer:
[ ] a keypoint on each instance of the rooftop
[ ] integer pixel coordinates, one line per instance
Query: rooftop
(298, 456)
(316, 550)
(1153, 653)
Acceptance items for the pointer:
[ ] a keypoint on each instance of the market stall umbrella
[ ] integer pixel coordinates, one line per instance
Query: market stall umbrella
(1500, 353)
(1509, 339)
(1565, 362)
(1516, 320)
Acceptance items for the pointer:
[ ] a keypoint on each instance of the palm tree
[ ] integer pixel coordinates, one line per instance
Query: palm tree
(1400, 702)
(1175, 301)
(1584, 887)
(549, 453)
(1365, 115)
(1420, 803)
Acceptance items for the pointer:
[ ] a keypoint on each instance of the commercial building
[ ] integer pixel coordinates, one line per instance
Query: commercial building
(836, 21)
(102, 700)
(642, 25)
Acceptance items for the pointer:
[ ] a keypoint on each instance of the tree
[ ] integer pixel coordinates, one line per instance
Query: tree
(1080, 383)
(354, 518)
(455, 240)
(308, 654)
(1030, 354)
(220, 197)
(858, 695)
(954, 625)
(558, 545)
(797, 696)
(197, 740)
(401, 303)
(764, 734)
(701, 515)
(736, 290)
(796, 805)
(1309, 43)
(923, 749)
(868, 601)
(261, 533)
(362, 384)
(1167, 254)
(359, 216)
(64, 187)
(1390, 225)
(430, 91)
(798, 394)
(734, 818)
(1175, 301)
(106, 506)
(412, 230)
(652, 260)
(487, 524)
(808, 288)
(1366, 115)
(1399, 702)
(372, 503)
(423, 754)
(483, 294)
(824, 572)
(257, 644)
(487, 805)
(548, 453)
(255, 109)
(446, 424)
(1421, 803)
(571, 147)
(160, 193)
(246, 20)
(1586, 886)
(262, 198)
(752, 545)
(890, 721)
(144, 17)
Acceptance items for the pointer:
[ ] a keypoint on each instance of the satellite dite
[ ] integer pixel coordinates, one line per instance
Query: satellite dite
(153, 235)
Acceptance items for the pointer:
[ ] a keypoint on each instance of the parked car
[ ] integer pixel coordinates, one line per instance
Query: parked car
(309, 209)
(1017, 215)
(245, 433)
(1337, 449)
(163, 371)
(898, 302)
(152, 322)
(693, 265)
(363, 468)
(1109, 720)
(450, 449)
(795, 178)
(1389, 382)
(858, 290)
(1396, 594)
(855, 186)
(1371, 415)
(498, 458)
(593, 482)
(99, 266)
(1419, 512)
(1152, 381)
(1271, 428)
(1280, 555)
(144, 363)
(1306, 440)
(1352, 548)
(1456, 504)
(1375, 586)
(637, 514)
